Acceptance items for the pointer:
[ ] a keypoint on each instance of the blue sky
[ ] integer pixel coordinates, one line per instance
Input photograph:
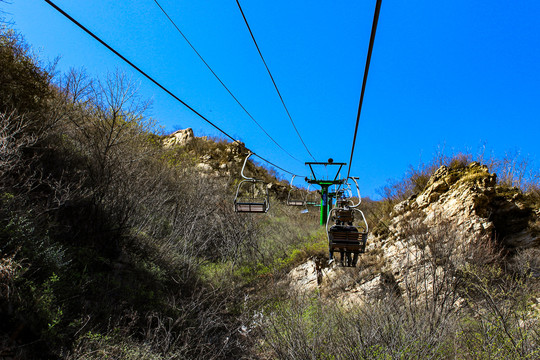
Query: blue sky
(453, 74)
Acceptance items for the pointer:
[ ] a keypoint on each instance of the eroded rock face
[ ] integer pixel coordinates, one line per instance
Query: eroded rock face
(459, 217)
(469, 199)
(460, 197)
(179, 138)
(303, 278)
(360, 293)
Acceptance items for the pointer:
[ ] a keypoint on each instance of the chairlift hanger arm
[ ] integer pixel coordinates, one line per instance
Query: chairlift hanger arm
(363, 218)
(253, 203)
(312, 172)
(355, 178)
(244, 166)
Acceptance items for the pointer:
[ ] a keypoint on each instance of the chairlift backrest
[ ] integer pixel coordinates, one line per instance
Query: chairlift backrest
(345, 213)
(338, 215)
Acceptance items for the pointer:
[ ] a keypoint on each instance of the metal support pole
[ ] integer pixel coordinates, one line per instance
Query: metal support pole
(326, 196)
(325, 200)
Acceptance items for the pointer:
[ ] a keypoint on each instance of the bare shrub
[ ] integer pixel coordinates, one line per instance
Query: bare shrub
(526, 262)
(312, 329)
(416, 178)
(430, 273)
(513, 169)
(13, 140)
(24, 84)
(9, 268)
(418, 320)
(453, 300)
(197, 330)
(97, 346)
(76, 87)
(500, 324)
(113, 236)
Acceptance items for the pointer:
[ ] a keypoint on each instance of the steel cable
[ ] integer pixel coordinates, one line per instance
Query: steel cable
(273, 82)
(366, 70)
(82, 27)
(221, 82)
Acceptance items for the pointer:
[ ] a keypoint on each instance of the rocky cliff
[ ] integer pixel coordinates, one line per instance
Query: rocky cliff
(461, 217)
(217, 158)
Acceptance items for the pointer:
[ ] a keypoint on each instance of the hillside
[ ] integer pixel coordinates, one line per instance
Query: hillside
(120, 242)
(458, 270)
(113, 244)
(218, 158)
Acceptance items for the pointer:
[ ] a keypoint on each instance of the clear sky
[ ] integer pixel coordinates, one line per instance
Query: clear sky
(455, 74)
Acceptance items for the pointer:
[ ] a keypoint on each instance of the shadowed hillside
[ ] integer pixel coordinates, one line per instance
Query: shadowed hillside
(112, 243)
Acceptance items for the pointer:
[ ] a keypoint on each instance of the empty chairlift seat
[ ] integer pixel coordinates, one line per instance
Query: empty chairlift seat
(312, 198)
(251, 194)
(296, 196)
(249, 198)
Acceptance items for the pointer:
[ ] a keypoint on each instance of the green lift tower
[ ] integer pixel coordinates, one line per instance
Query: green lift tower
(326, 195)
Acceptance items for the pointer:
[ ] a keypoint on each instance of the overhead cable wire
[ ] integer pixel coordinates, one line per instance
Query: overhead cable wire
(82, 27)
(276, 166)
(221, 82)
(272, 78)
(364, 81)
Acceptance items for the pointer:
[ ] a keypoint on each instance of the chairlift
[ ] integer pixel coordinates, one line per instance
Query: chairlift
(312, 198)
(296, 196)
(251, 194)
(347, 235)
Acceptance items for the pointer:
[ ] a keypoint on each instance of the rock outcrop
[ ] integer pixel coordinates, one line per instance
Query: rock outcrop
(461, 216)
(470, 200)
(210, 157)
(179, 138)
(215, 158)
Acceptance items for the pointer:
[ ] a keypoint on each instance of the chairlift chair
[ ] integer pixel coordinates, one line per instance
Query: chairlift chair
(296, 196)
(346, 235)
(311, 198)
(251, 194)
